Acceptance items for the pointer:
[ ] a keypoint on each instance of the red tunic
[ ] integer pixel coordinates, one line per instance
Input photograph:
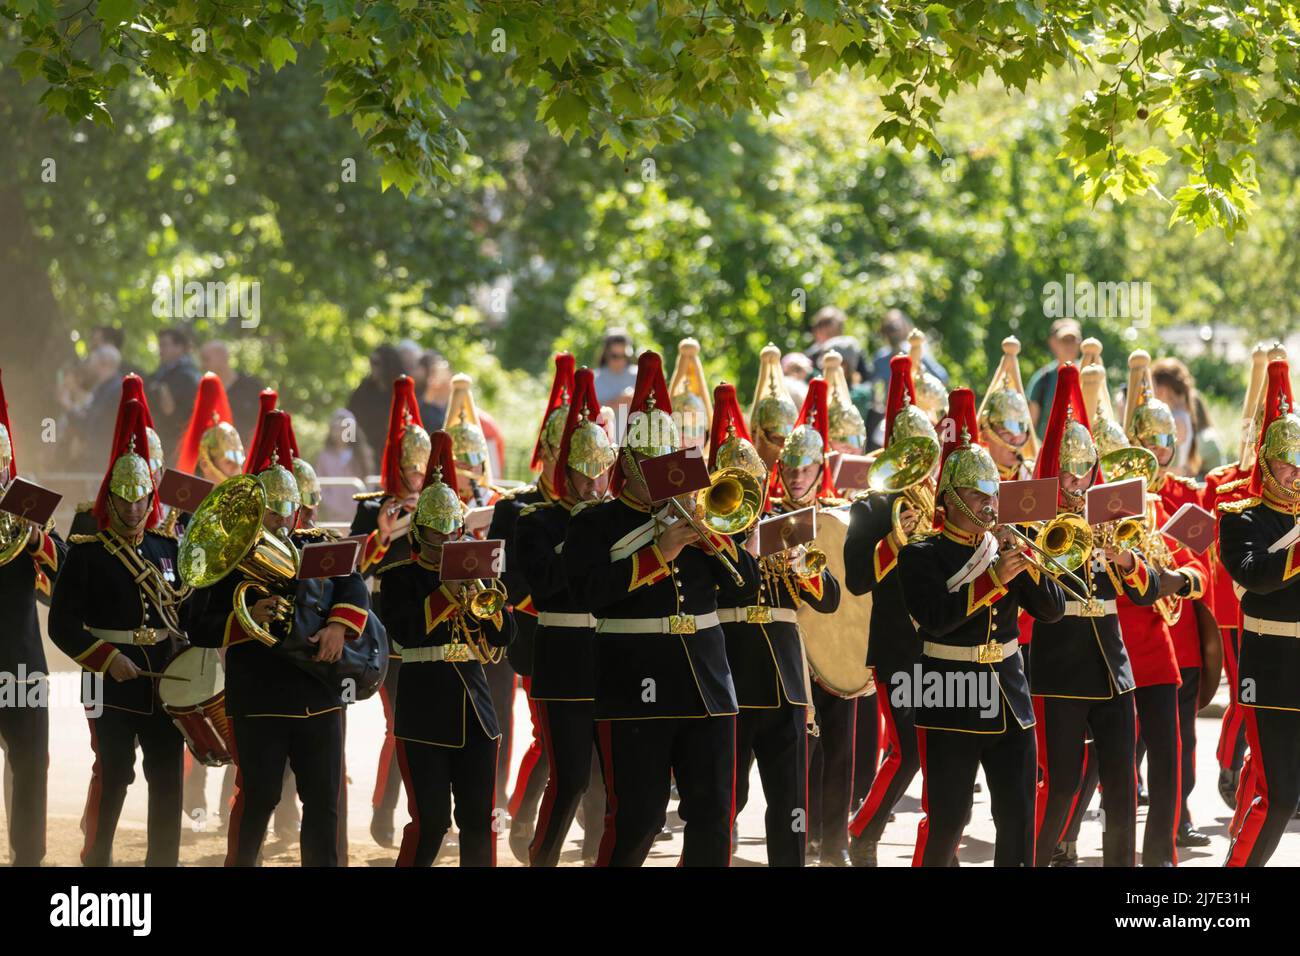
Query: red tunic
(1174, 493)
(1223, 599)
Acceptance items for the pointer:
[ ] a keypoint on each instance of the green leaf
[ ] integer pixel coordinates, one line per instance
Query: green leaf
(113, 12)
(280, 51)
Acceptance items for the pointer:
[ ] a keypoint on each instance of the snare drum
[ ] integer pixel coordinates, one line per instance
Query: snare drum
(197, 704)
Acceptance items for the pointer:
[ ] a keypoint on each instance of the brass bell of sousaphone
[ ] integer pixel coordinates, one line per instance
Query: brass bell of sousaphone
(904, 468)
(226, 535)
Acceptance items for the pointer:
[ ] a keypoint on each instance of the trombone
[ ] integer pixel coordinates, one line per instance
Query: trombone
(731, 504)
(904, 468)
(1066, 544)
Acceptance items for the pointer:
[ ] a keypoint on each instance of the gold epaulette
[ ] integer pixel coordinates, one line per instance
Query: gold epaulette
(163, 533)
(529, 509)
(522, 489)
(832, 501)
(1232, 485)
(1186, 481)
(82, 538)
(586, 504)
(85, 506)
(369, 495)
(1222, 469)
(328, 534)
(1238, 506)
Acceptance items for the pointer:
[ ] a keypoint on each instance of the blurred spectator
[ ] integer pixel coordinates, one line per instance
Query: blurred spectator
(615, 370)
(171, 388)
(895, 327)
(90, 425)
(371, 399)
(242, 390)
(1176, 387)
(344, 455)
(109, 335)
(828, 333)
(797, 368)
(433, 386)
(1065, 339)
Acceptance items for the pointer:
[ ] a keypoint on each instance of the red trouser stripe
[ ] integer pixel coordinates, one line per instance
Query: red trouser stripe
(885, 775)
(922, 828)
(411, 833)
(543, 717)
(94, 795)
(532, 756)
(1255, 802)
(385, 751)
(611, 798)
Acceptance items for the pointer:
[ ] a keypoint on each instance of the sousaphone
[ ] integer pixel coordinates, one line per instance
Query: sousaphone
(226, 535)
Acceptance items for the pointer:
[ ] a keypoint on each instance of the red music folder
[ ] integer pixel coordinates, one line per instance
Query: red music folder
(329, 559)
(1115, 499)
(783, 532)
(466, 560)
(26, 499)
(1191, 526)
(852, 472)
(1033, 499)
(676, 473)
(181, 491)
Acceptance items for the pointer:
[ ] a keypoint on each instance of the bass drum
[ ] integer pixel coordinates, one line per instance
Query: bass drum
(836, 644)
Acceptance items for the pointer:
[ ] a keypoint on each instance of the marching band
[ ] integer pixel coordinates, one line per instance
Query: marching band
(670, 637)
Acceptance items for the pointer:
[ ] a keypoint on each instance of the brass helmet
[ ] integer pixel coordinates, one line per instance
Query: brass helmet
(651, 432)
(729, 442)
(969, 466)
(220, 442)
(689, 397)
(773, 410)
(845, 423)
(1147, 420)
(553, 429)
(156, 456)
(1107, 434)
(737, 452)
(6, 449)
(281, 487)
(931, 396)
(1004, 406)
(807, 442)
(590, 451)
(308, 483)
(468, 443)
(1282, 439)
(911, 422)
(131, 478)
(439, 507)
(415, 447)
(1078, 452)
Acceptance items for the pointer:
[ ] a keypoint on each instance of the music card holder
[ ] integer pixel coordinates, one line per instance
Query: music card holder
(853, 472)
(183, 492)
(1033, 499)
(26, 499)
(783, 532)
(478, 520)
(329, 559)
(1115, 499)
(467, 560)
(1191, 526)
(677, 473)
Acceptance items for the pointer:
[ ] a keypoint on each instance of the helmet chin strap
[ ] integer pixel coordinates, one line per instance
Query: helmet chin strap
(120, 525)
(967, 513)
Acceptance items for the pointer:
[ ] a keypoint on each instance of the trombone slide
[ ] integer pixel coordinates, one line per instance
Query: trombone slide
(1046, 564)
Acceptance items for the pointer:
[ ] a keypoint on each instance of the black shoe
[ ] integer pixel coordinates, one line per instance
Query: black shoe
(1066, 854)
(1188, 835)
(862, 852)
(521, 836)
(664, 834)
(979, 787)
(836, 858)
(1228, 780)
(381, 828)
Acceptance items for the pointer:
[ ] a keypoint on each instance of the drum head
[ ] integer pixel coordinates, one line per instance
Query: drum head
(836, 644)
(204, 678)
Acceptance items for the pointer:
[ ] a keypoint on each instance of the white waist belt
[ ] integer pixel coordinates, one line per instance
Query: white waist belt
(1076, 608)
(1271, 628)
(560, 619)
(951, 652)
(417, 655)
(141, 636)
(746, 615)
(677, 624)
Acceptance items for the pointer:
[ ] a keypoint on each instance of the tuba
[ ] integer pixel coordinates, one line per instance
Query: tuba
(904, 468)
(14, 532)
(226, 535)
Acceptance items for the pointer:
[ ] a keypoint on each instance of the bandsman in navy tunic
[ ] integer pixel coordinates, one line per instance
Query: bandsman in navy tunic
(447, 731)
(28, 575)
(1259, 542)
(665, 703)
(973, 704)
(117, 611)
(562, 687)
(383, 517)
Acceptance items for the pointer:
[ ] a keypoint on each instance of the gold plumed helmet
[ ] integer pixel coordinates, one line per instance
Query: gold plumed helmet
(553, 429)
(736, 452)
(651, 432)
(911, 422)
(1252, 409)
(807, 443)
(308, 483)
(131, 478)
(156, 455)
(468, 443)
(931, 396)
(689, 395)
(969, 466)
(1282, 439)
(1147, 420)
(1107, 433)
(281, 487)
(414, 448)
(1078, 452)
(6, 449)
(845, 423)
(773, 410)
(439, 508)
(1004, 406)
(590, 451)
(221, 442)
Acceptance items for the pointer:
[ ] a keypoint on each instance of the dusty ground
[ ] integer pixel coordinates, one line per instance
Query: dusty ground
(204, 844)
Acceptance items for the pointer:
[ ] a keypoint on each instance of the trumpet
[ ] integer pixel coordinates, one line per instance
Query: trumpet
(904, 468)
(486, 601)
(1121, 534)
(1066, 544)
